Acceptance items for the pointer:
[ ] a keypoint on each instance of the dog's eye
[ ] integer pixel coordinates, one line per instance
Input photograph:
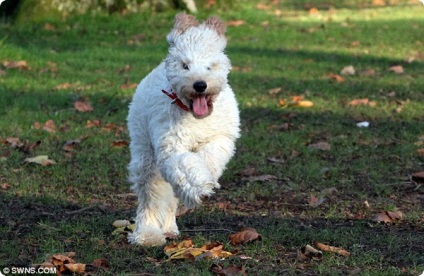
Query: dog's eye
(208, 68)
(185, 66)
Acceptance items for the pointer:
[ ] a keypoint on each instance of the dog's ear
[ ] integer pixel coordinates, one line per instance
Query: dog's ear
(182, 22)
(216, 24)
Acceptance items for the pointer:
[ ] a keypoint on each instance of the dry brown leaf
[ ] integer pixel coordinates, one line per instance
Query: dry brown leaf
(14, 142)
(5, 186)
(274, 91)
(388, 217)
(49, 126)
(333, 249)
(100, 263)
(94, 123)
(364, 101)
(282, 102)
(77, 268)
(325, 146)
(336, 78)
(245, 235)
(83, 106)
(418, 177)
(63, 86)
(119, 143)
(420, 152)
(21, 65)
(315, 201)
(235, 23)
(313, 11)
(397, 69)
(232, 270)
(42, 160)
(177, 247)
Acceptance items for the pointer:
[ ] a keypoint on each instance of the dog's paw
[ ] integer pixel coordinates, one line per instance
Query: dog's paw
(149, 238)
(196, 194)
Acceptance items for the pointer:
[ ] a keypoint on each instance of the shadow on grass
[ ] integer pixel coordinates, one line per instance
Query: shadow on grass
(32, 228)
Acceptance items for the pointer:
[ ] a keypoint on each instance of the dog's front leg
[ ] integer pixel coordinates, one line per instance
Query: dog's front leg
(188, 174)
(216, 154)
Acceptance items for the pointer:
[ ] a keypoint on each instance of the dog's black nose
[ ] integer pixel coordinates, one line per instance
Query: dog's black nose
(200, 86)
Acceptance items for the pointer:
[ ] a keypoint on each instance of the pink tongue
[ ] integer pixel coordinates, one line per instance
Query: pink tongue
(200, 105)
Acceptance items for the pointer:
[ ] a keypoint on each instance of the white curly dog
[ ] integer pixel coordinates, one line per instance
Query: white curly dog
(183, 123)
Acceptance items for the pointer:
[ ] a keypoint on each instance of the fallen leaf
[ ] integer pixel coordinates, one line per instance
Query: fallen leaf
(100, 263)
(336, 77)
(282, 102)
(43, 160)
(119, 143)
(121, 223)
(315, 201)
(5, 186)
(232, 270)
(348, 71)
(21, 65)
(308, 252)
(63, 86)
(77, 268)
(49, 126)
(2, 73)
(418, 177)
(397, 69)
(420, 152)
(364, 101)
(70, 145)
(388, 217)
(235, 23)
(275, 91)
(83, 106)
(325, 146)
(313, 11)
(14, 142)
(245, 235)
(333, 249)
(303, 104)
(94, 123)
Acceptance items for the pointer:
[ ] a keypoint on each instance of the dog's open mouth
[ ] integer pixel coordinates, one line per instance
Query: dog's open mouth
(201, 105)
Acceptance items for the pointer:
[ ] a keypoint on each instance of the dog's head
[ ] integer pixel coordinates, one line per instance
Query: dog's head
(196, 65)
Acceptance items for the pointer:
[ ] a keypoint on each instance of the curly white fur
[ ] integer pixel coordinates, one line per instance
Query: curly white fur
(177, 154)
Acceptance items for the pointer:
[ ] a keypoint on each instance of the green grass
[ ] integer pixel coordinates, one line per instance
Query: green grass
(42, 210)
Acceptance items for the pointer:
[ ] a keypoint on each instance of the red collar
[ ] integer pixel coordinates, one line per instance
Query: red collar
(176, 100)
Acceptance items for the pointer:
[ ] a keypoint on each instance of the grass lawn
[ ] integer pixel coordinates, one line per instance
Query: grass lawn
(300, 174)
